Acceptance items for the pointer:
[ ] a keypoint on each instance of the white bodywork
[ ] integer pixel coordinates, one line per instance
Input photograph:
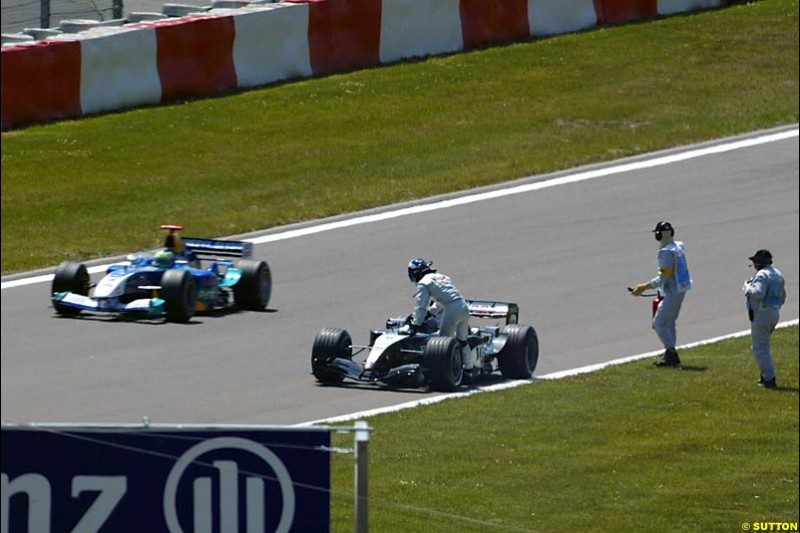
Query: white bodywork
(381, 344)
(105, 293)
(112, 285)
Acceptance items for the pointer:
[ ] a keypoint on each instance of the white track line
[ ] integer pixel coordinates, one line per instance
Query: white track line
(480, 197)
(360, 415)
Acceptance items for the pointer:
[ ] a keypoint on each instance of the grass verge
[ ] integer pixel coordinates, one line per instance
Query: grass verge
(631, 448)
(100, 186)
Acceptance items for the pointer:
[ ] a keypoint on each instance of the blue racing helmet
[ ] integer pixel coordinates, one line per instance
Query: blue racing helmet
(163, 258)
(417, 268)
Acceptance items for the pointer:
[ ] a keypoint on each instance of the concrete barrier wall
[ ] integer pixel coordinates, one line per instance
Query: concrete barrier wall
(411, 28)
(619, 11)
(343, 34)
(224, 49)
(553, 17)
(195, 56)
(671, 7)
(119, 70)
(271, 44)
(40, 82)
(484, 22)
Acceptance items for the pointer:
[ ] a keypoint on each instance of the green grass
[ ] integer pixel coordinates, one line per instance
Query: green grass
(631, 448)
(100, 186)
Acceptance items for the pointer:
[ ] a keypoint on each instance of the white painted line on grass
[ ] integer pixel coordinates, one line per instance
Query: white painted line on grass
(517, 383)
(483, 196)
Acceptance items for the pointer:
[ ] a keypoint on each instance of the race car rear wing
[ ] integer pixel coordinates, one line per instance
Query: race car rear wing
(208, 248)
(486, 309)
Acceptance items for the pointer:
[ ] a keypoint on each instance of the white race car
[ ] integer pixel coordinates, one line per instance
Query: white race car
(396, 356)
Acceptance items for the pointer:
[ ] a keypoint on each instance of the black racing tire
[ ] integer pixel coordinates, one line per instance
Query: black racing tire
(255, 286)
(445, 369)
(70, 277)
(329, 344)
(179, 292)
(519, 356)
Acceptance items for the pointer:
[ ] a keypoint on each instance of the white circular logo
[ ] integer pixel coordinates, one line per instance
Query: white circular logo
(277, 466)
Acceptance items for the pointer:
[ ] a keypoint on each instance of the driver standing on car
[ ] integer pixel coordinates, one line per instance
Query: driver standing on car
(448, 302)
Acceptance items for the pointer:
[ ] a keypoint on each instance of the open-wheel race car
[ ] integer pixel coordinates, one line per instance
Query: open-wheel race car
(188, 275)
(398, 357)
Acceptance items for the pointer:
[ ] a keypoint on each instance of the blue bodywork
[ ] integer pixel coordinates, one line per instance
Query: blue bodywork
(135, 286)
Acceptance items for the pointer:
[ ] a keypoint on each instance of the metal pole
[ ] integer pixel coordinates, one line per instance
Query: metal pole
(44, 13)
(362, 459)
(117, 5)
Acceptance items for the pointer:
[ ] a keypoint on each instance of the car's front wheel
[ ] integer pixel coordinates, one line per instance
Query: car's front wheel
(329, 344)
(179, 292)
(443, 363)
(70, 277)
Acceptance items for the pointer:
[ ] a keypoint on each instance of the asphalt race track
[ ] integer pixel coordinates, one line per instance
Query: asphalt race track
(564, 253)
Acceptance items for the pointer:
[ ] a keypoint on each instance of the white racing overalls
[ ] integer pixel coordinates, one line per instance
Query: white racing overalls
(765, 294)
(672, 282)
(449, 303)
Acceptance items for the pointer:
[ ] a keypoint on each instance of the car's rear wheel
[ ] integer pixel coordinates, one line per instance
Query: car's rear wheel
(329, 344)
(443, 363)
(70, 277)
(255, 287)
(179, 292)
(519, 356)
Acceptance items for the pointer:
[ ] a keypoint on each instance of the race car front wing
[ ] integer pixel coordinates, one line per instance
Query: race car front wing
(148, 306)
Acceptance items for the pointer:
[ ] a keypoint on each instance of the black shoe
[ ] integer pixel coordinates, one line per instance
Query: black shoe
(470, 375)
(670, 358)
(768, 383)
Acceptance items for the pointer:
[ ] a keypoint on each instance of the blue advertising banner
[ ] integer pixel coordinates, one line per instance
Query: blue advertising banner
(153, 479)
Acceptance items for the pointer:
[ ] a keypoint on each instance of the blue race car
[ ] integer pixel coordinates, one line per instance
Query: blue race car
(186, 276)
